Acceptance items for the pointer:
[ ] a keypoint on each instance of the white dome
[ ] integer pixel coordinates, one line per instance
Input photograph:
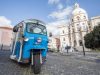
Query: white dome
(78, 10)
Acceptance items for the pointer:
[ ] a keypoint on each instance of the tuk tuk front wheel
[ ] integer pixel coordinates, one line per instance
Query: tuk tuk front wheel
(36, 59)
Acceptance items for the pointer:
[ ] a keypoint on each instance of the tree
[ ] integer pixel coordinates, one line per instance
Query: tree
(89, 40)
(92, 39)
(96, 34)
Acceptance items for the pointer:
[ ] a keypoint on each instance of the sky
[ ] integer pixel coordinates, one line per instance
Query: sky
(52, 12)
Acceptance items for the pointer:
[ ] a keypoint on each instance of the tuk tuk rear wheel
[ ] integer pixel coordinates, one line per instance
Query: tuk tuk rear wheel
(37, 63)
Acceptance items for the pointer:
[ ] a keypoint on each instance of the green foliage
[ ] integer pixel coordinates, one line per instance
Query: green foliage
(89, 40)
(92, 39)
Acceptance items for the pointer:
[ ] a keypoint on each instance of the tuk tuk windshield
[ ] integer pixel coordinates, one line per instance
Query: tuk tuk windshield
(36, 28)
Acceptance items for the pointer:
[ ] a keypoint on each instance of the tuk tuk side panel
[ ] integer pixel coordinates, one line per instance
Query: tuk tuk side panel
(17, 49)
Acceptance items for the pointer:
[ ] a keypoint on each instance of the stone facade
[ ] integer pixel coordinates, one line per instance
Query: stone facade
(94, 21)
(5, 37)
(54, 44)
(72, 34)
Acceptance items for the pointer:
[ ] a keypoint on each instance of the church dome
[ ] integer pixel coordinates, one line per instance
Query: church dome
(78, 10)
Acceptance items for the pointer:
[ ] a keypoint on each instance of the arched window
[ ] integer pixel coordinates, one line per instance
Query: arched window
(63, 31)
(80, 42)
(63, 39)
(72, 20)
(78, 18)
(78, 28)
(84, 17)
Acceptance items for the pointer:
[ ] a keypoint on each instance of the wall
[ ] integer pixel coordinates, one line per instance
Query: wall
(5, 37)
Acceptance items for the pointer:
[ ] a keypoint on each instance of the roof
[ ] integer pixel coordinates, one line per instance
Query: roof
(78, 10)
(34, 21)
(96, 17)
(7, 26)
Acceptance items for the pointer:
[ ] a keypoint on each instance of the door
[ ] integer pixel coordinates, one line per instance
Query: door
(17, 43)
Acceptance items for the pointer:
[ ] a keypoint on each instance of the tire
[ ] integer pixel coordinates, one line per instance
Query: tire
(37, 64)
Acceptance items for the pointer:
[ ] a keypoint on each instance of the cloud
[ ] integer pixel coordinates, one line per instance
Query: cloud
(4, 21)
(61, 14)
(53, 26)
(57, 1)
(60, 6)
(59, 22)
(52, 29)
(53, 1)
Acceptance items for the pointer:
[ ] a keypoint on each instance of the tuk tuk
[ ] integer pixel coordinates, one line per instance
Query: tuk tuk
(30, 43)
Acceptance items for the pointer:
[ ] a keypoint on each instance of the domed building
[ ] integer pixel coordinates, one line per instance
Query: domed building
(5, 36)
(73, 33)
(79, 23)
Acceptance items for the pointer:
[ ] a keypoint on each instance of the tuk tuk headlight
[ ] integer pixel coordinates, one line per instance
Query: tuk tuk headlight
(26, 39)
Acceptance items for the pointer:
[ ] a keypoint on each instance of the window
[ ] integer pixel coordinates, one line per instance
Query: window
(84, 17)
(63, 39)
(73, 30)
(78, 28)
(63, 32)
(75, 43)
(36, 28)
(80, 42)
(78, 18)
(72, 20)
(84, 27)
(77, 24)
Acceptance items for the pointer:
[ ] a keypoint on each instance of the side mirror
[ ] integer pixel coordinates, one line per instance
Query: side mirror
(15, 29)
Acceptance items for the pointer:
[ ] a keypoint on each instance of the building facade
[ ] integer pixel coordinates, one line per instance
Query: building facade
(94, 21)
(5, 37)
(72, 34)
(54, 44)
(64, 37)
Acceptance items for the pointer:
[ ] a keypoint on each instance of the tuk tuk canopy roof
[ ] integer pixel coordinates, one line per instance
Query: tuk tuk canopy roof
(34, 21)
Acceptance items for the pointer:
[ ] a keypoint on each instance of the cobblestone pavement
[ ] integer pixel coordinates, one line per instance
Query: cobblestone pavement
(56, 64)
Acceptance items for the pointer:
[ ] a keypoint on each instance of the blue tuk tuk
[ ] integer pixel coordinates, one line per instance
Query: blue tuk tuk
(30, 43)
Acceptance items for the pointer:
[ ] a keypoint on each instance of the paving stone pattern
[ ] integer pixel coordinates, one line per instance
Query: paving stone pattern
(56, 64)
